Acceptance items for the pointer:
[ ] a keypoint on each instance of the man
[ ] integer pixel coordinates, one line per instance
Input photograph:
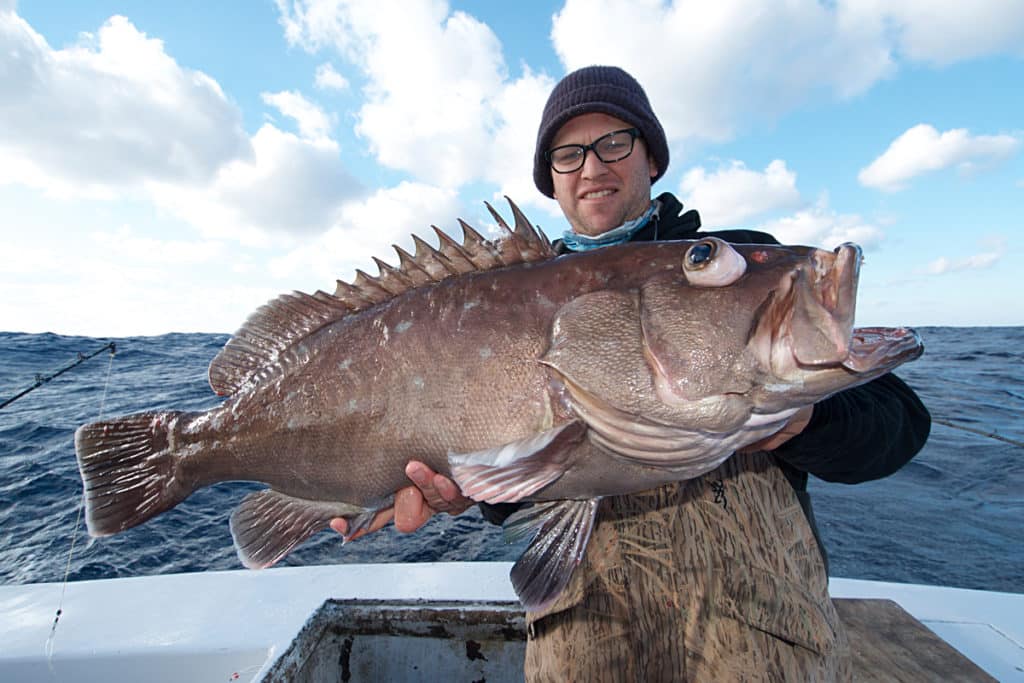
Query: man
(721, 577)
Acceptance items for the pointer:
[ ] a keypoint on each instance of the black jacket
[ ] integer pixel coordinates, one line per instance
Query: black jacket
(864, 433)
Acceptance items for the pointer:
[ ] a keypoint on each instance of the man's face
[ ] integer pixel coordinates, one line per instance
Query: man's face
(600, 196)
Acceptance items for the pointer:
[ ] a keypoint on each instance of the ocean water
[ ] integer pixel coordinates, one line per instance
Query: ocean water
(953, 516)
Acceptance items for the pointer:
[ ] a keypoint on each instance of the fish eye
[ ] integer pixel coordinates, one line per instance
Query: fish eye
(700, 254)
(712, 262)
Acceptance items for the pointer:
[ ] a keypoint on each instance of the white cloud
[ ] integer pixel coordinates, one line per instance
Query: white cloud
(364, 228)
(114, 116)
(314, 124)
(712, 69)
(290, 186)
(730, 195)
(126, 245)
(922, 148)
(443, 116)
(946, 32)
(103, 116)
(439, 103)
(518, 108)
(982, 260)
(822, 227)
(328, 78)
(720, 64)
(943, 265)
(126, 281)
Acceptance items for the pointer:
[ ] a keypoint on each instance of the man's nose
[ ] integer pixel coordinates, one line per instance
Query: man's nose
(593, 166)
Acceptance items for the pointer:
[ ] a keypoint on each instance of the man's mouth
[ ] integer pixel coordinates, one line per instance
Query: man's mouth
(597, 194)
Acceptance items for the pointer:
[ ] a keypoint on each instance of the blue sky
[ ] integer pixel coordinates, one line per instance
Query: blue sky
(172, 166)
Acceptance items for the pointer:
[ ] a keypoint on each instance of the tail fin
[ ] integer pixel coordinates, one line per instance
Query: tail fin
(129, 469)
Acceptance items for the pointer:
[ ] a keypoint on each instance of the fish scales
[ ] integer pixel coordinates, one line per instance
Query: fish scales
(448, 368)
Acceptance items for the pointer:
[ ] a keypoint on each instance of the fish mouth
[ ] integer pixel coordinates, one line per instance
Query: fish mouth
(811, 317)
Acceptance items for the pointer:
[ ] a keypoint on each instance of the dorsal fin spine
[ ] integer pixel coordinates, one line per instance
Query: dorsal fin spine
(457, 255)
(524, 229)
(432, 261)
(370, 287)
(352, 297)
(498, 218)
(392, 279)
(412, 270)
(481, 252)
(259, 348)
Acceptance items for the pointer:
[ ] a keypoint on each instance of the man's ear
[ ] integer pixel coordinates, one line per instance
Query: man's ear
(652, 164)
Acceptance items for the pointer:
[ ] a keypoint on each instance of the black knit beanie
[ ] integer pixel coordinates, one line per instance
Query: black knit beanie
(605, 89)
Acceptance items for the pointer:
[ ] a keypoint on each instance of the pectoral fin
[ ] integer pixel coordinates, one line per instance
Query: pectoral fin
(269, 524)
(511, 472)
(562, 531)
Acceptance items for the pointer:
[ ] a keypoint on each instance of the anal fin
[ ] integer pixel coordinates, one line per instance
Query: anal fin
(268, 524)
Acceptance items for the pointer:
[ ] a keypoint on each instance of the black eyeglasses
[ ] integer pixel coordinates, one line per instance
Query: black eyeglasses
(614, 146)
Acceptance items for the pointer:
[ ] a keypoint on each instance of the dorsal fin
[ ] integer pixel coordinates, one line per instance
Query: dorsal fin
(267, 333)
(521, 244)
(277, 326)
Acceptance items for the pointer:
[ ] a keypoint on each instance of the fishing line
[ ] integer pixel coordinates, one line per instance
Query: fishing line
(48, 648)
(991, 435)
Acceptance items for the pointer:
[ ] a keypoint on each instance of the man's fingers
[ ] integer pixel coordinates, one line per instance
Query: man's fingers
(452, 495)
(414, 505)
(440, 492)
(380, 520)
(424, 478)
(411, 510)
(433, 496)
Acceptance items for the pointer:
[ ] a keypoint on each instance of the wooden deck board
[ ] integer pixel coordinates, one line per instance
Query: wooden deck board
(889, 644)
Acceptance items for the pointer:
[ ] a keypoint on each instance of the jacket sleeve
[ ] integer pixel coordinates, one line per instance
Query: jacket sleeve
(864, 433)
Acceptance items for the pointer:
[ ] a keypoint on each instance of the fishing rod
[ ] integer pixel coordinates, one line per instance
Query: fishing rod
(991, 435)
(43, 379)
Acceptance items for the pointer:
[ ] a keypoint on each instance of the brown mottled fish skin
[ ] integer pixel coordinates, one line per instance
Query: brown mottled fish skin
(604, 372)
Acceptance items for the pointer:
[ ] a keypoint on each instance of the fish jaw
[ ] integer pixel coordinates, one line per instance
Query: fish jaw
(807, 320)
(805, 337)
(823, 313)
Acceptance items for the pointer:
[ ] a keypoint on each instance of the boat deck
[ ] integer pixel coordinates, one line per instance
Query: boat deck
(237, 625)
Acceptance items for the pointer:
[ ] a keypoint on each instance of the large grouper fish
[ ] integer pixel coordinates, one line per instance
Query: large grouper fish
(523, 375)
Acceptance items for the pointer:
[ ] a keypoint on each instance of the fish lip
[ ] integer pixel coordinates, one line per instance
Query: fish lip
(875, 350)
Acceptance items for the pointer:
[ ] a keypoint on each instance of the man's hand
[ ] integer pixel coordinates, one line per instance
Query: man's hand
(796, 424)
(414, 505)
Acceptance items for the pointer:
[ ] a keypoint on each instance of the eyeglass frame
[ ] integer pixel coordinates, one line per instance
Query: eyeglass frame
(634, 133)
